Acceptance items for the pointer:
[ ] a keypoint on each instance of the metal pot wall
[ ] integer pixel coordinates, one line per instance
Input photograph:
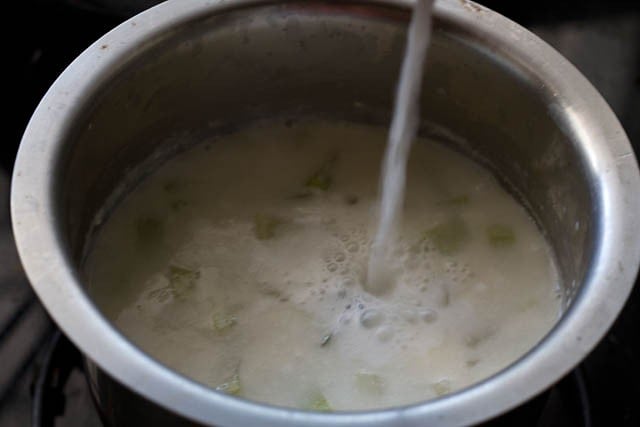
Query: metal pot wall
(184, 70)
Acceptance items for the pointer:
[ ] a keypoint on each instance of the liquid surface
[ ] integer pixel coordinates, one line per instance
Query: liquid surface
(404, 127)
(241, 264)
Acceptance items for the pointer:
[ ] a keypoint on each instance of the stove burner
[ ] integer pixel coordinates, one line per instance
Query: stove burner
(49, 399)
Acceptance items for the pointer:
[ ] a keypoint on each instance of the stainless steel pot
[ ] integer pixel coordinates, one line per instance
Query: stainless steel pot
(185, 69)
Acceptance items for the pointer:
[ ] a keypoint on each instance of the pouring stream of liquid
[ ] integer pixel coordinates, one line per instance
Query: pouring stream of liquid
(404, 126)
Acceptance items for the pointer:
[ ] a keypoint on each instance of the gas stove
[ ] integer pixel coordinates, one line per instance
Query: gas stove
(41, 380)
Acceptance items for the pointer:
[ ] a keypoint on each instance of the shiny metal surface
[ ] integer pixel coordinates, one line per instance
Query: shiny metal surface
(183, 70)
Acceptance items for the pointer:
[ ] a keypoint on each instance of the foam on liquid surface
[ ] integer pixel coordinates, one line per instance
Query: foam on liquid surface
(241, 264)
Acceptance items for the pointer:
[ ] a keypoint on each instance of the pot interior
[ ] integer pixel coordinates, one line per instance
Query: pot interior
(218, 73)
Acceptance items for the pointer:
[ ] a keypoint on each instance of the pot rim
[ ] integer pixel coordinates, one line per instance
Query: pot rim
(43, 252)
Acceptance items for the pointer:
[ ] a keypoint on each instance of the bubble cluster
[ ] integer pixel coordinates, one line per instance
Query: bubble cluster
(345, 258)
(457, 272)
(424, 282)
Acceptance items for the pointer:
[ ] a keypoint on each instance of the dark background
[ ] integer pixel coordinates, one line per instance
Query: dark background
(602, 38)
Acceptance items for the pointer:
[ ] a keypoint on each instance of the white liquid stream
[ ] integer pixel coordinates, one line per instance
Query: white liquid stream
(404, 126)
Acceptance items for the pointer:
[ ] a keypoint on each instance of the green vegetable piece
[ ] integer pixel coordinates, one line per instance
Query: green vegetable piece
(233, 386)
(181, 280)
(461, 200)
(322, 178)
(161, 295)
(450, 236)
(222, 322)
(318, 403)
(149, 231)
(500, 235)
(319, 180)
(441, 387)
(325, 339)
(265, 226)
(370, 383)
